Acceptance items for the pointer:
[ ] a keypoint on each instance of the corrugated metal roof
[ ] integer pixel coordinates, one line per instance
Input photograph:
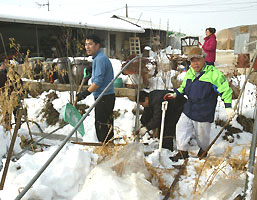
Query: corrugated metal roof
(79, 21)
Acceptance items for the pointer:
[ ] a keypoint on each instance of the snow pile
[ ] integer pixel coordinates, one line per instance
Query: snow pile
(5, 143)
(121, 177)
(61, 180)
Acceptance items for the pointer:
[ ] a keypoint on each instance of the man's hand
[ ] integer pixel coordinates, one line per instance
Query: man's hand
(230, 113)
(83, 95)
(170, 96)
(142, 131)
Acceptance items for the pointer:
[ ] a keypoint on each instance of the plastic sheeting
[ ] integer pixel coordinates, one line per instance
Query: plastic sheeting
(224, 189)
(122, 177)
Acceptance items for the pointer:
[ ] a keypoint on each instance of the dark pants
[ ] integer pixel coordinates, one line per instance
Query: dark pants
(167, 142)
(209, 63)
(104, 117)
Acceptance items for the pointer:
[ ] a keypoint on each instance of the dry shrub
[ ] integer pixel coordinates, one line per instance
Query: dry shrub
(156, 174)
(105, 152)
(27, 142)
(237, 163)
(11, 96)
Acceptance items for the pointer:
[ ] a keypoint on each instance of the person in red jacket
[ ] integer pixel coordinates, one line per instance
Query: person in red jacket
(209, 46)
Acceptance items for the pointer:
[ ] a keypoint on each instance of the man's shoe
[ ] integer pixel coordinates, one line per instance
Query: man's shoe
(200, 152)
(179, 155)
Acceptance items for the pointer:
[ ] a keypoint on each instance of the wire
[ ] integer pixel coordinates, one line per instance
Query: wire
(200, 11)
(220, 3)
(211, 9)
(110, 11)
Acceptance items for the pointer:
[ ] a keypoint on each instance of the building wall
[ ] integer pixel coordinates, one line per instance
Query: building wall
(41, 40)
(122, 45)
(226, 37)
(50, 41)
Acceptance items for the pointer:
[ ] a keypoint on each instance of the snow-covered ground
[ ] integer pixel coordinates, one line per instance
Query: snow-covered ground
(82, 172)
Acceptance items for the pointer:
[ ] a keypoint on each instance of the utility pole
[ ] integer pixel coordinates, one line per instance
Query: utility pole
(48, 5)
(45, 4)
(167, 34)
(126, 10)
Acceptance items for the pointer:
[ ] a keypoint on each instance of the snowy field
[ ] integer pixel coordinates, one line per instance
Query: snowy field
(133, 171)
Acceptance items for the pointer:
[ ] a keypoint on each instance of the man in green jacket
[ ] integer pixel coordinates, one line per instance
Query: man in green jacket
(202, 85)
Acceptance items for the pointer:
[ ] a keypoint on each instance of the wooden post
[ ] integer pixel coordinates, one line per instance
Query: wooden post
(126, 10)
(228, 39)
(6, 166)
(167, 35)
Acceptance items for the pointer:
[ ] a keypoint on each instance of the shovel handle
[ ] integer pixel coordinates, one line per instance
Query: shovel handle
(81, 84)
(164, 108)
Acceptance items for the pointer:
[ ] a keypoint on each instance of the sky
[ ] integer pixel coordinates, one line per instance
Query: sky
(187, 16)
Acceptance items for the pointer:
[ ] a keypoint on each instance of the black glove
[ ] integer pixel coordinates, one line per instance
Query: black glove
(83, 95)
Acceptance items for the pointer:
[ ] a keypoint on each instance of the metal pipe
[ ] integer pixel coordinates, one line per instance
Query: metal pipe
(69, 71)
(42, 169)
(70, 79)
(37, 42)
(138, 91)
(249, 43)
(3, 45)
(252, 153)
(18, 155)
(253, 146)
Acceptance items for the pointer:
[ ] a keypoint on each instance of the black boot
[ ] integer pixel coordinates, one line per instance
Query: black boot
(179, 155)
(200, 152)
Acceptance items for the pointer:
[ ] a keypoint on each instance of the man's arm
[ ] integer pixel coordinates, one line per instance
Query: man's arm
(98, 80)
(146, 116)
(99, 72)
(156, 117)
(93, 87)
(223, 88)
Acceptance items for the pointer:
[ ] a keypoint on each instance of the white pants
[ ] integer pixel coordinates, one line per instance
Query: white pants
(186, 128)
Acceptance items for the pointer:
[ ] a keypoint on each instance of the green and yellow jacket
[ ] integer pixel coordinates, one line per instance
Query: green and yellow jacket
(202, 92)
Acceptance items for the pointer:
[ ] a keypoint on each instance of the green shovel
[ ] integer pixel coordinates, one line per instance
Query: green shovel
(71, 114)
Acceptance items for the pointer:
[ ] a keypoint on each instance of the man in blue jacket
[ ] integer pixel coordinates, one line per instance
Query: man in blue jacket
(102, 75)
